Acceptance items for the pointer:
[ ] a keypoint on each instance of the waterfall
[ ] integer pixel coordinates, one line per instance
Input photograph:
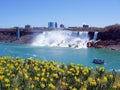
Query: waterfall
(62, 39)
(95, 36)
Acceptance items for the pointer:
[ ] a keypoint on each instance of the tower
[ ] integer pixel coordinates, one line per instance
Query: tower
(51, 25)
(55, 24)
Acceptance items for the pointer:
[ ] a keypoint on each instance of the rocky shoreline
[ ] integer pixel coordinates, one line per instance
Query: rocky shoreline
(113, 45)
(109, 38)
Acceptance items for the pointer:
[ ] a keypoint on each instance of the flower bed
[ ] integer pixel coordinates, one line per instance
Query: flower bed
(33, 74)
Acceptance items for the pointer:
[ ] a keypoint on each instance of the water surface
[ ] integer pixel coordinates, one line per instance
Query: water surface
(83, 56)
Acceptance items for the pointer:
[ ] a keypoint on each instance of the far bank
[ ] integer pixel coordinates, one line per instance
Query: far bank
(107, 37)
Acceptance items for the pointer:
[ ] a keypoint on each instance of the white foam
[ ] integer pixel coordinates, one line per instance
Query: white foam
(116, 70)
(62, 39)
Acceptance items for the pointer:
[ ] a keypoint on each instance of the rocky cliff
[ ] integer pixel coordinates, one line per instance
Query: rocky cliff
(109, 37)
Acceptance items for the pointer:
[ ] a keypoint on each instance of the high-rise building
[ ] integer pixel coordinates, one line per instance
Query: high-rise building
(55, 24)
(51, 25)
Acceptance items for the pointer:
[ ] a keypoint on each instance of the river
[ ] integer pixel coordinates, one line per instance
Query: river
(65, 55)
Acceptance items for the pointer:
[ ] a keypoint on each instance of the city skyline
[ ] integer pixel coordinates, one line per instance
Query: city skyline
(97, 13)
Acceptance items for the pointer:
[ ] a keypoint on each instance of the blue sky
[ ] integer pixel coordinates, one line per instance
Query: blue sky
(69, 12)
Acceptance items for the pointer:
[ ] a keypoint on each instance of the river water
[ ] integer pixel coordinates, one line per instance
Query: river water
(65, 55)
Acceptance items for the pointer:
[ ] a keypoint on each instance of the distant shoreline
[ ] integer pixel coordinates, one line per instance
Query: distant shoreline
(108, 37)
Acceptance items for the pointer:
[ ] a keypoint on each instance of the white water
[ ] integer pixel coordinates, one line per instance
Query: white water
(62, 39)
(95, 36)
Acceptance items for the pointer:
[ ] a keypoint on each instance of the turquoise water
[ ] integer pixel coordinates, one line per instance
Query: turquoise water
(83, 56)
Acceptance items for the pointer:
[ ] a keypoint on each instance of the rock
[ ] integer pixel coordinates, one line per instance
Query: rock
(93, 43)
(110, 33)
(110, 44)
(91, 35)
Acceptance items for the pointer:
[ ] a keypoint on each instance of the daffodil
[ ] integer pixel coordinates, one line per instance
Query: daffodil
(30, 79)
(36, 78)
(51, 86)
(43, 79)
(93, 83)
(1, 77)
(20, 72)
(16, 88)
(63, 83)
(101, 69)
(52, 75)
(55, 75)
(74, 88)
(12, 75)
(26, 76)
(38, 75)
(111, 76)
(6, 80)
(114, 86)
(8, 74)
(98, 79)
(90, 79)
(7, 85)
(84, 88)
(32, 86)
(51, 79)
(118, 85)
(42, 85)
(105, 79)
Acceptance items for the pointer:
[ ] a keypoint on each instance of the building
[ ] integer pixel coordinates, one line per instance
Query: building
(85, 26)
(27, 26)
(62, 26)
(55, 24)
(51, 25)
